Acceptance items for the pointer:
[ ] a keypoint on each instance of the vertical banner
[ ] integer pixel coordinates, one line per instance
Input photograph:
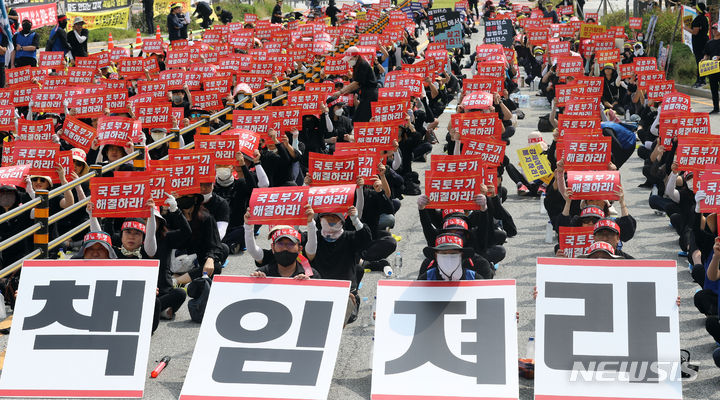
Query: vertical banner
(81, 328)
(445, 340)
(267, 338)
(607, 329)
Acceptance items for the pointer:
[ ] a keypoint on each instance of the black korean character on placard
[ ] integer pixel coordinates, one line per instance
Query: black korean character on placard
(643, 326)
(429, 344)
(305, 359)
(59, 297)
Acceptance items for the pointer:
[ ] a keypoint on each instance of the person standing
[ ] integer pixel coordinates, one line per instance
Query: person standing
(277, 13)
(712, 52)
(148, 11)
(699, 29)
(78, 38)
(58, 37)
(177, 25)
(26, 45)
(363, 79)
(332, 12)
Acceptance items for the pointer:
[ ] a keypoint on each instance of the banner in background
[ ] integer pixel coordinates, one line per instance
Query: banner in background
(40, 15)
(163, 6)
(117, 18)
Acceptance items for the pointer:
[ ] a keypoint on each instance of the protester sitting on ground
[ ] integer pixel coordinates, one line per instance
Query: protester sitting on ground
(447, 260)
(288, 261)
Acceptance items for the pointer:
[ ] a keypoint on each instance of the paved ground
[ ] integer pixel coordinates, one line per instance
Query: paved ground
(654, 239)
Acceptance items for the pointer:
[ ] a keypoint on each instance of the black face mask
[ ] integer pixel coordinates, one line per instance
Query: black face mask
(285, 257)
(185, 203)
(26, 28)
(63, 24)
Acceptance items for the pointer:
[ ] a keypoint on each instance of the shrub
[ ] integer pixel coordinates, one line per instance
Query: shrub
(101, 34)
(683, 68)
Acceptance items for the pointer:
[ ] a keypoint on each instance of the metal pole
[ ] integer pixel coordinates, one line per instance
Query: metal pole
(672, 39)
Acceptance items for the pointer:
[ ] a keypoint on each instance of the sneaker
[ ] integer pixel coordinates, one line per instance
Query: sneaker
(714, 111)
(541, 190)
(659, 213)
(522, 190)
(167, 313)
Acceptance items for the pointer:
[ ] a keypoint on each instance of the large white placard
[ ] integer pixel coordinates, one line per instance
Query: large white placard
(607, 329)
(274, 338)
(81, 328)
(445, 340)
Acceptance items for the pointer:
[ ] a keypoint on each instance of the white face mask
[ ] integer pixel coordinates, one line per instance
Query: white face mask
(157, 135)
(339, 112)
(450, 266)
(207, 197)
(331, 232)
(352, 62)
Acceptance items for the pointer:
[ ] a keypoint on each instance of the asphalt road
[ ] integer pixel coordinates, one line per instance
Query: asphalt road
(654, 239)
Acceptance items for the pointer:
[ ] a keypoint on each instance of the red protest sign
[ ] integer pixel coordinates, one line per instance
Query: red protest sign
(41, 156)
(478, 101)
(258, 121)
(80, 75)
(584, 106)
(16, 76)
(569, 66)
(696, 153)
(224, 146)
(488, 84)
(22, 94)
(645, 64)
(174, 79)
(377, 134)
(77, 133)
(413, 83)
(593, 185)
(248, 141)
(51, 59)
(48, 100)
(368, 158)
(220, 84)
(131, 67)
(453, 190)
(636, 23)
(393, 93)
(492, 68)
(677, 123)
(207, 100)
(390, 111)
(675, 102)
(283, 205)
(154, 46)
(156, 88)
(455, 163)
(574, 240)
(116, 100)
(14, 175)
(657, 90)
(177, 59)
(285, 118)
(7, 118)
(331, 199)
(154, 115)
(474, 125)
(182, 176)
(577, 123)
(41, 130)
(118, 131)
(310, 102)
(583, 153)
(115, 197)
(326, 169)
(491, 151)
(336, 66)
(205, 160)
(88, 105)
(711, 186)
(611, 56)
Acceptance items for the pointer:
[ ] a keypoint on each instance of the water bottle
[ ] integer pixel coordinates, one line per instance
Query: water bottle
(206, 276)
(549, 233)
(530, 349)
(388, 271)
(398, 263)
(61, 254)
(543, 211)
(368, 321)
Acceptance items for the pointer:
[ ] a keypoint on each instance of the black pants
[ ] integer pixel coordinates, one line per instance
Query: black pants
(363, 112)
(706, 302)
(149, 16)
(173, 299)
(2, 74)
(714, 85)
(25, 61)
(713, 327)
(380, 248)
(204, 11)
(698, 51)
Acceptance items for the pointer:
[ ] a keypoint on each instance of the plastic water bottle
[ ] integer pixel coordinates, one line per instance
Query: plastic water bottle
(388, 271)
(530, 349)
(542, 204)
(397, 263)
(549, 233)
(206, 276)
(365, 301)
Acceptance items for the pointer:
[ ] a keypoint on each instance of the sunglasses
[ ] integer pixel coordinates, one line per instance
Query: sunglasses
(38, 179)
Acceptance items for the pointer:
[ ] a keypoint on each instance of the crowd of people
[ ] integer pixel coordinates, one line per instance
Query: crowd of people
(193, 234)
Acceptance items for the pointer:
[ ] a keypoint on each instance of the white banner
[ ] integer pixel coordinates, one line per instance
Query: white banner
(445, 340)
(607, 329)
(81, 328)
(267, 338)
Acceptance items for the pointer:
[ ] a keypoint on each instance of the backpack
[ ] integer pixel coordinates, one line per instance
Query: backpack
(544, 124)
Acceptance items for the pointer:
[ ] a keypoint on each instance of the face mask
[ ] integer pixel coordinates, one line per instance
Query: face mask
(449, 266)
(177, 99)
(207, 197)
(640, 38)
(26, 28)
(331, 232)
(352, 62)
(285, 257)
(7, 199)
(339, 112)
(539, 59)
(157, 135)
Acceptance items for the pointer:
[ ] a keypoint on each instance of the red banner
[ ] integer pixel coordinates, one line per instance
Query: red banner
(390, 111)
(14, 175)
(326, 169)
(154, 115)
(40, 131)
(475, 125)
(574, 240)
(636, 23)
(331, 199)
(491, 151)
(695, 153)
(118, 131)
(41, 156)
(258, 121)
(478, 101)
(182, 176)
(455, 163)
(51, 60)
(658, 89)
(42, 15)
(88, 105)
(207, 100)
(158, 89)
(285, 118)
(377, 134)
(675, 102)
(205, 160)
(593, 185)
(583, 153)
(309, 101)
(677, 124)
(224, 146)
(249, 141)
(7, 118)
(603, 57)
(453, 190)
(116, 100)
(120, 197)
(48, 101)
(78, 134)
(488, 84)
(368, 158)
(282, 205)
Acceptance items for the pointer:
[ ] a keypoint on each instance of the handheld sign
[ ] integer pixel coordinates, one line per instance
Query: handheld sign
(72, 329)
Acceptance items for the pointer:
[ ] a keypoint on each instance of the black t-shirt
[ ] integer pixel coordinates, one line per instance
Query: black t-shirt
(365, 76)
(712, 48)
(276, 10)
(271, 271)
(218, 208)
(702, 36)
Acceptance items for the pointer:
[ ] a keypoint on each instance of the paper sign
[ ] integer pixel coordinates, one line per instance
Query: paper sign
(326, 169)
(267, 338)
(711, 202)
(285, 118)
(285, 205)
(490, 151)
(332, 198)
(583, 153)
(224, 146)
(64, 311)
(534, 164)
(636, 23)
(673, 124)
(461, 333)
(41, 156)
(118, 131)
(696, 153)
(41, 130)
(205, 160)
(120, 197)
(593, 185)
(14, 175)
(478, 101)
(182, 176)
(78, 134)
(574, 240)
(607, 329)
(453, 190)
(377, 134)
